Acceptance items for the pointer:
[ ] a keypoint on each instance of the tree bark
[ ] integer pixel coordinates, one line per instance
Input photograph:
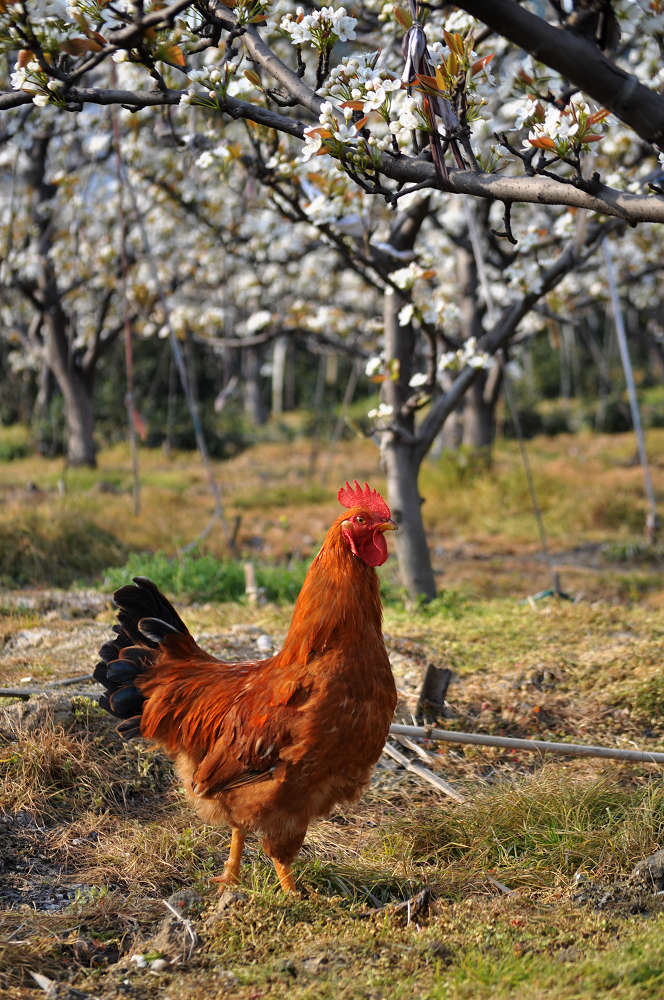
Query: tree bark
(75, 383)
(41, 424)
(254, 407)
(415, 566)
(479, 416)
(79, 409)
(478, 407)
(75, 386)
(399, 460)
(279, 355)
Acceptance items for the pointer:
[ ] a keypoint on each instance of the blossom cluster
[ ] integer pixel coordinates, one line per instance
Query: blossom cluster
(557, 125)
(366, 88)
(358, 76)
(96, 11)
(31, 79)
(558, 129)
(321, 28)
(467, 355)
(382, 411)
(219, 156)
(214, 79)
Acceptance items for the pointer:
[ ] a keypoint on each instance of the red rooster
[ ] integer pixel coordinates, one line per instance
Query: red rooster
(267, 746)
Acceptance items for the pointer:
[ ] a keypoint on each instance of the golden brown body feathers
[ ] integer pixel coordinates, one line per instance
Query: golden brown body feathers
(267, 746)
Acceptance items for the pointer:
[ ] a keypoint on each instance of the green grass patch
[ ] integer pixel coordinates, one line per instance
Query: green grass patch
(537, 832)
(205, 578)
(14, 443)
(517, 960)
(199, 577)
(634, 550)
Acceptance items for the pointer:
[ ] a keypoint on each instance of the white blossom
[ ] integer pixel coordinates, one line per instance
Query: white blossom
(373, 366)
(382, 410)
(319, 28)
(406, 314)
(258, 321)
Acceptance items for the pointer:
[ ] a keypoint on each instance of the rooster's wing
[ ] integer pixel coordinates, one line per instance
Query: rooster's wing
(236, 721)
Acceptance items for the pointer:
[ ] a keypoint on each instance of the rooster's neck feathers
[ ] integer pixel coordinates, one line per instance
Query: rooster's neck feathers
(340, 594)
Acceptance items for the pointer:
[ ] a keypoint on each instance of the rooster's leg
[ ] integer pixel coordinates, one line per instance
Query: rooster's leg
(283, 848)
(232, 866)
(285, 876)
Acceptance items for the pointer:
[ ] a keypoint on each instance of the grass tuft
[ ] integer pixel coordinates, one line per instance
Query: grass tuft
(56, 548)
(56, 771)
(538, 832)
(14, 443)
(205, 578)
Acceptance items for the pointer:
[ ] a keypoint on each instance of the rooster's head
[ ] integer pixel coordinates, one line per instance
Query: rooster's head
(368, 517)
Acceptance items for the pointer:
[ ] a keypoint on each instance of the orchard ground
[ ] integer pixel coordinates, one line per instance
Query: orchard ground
(530, 881)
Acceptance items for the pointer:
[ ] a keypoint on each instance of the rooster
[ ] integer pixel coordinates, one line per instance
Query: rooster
(266, 746)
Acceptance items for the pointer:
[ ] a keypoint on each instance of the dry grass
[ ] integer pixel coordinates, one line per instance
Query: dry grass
(480, 522)
(97, 829)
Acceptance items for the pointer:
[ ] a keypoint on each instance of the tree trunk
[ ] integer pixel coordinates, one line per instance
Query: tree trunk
(479, 414)
(406, 505)
(75, 384)
(42, 428)
(279, 355)
(399, 461)
(253, 396)
(79, 411)
(478, 407)
(76, 390)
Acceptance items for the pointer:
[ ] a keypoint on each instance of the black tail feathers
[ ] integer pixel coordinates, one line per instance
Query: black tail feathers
(145, 618)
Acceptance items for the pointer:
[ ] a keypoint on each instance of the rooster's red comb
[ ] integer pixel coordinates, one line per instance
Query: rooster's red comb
(371, 500)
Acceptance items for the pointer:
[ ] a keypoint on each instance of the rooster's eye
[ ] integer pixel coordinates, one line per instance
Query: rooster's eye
(360, 520)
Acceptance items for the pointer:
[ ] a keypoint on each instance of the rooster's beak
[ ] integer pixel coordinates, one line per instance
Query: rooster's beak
(388, 526)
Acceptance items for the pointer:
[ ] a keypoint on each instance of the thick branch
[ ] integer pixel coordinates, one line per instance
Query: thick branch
(632, 208)
(296, 87)
(578, 60)
(538, 190)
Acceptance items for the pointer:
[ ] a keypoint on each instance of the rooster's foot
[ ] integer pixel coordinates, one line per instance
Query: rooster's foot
(225, 881)
(286, 877)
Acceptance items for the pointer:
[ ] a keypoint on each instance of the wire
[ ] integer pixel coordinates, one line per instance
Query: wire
(651, 518)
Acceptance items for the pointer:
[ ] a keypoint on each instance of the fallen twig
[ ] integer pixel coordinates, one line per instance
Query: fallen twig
(498, 885)
(54, 989)
(573, 749)
(188, 927)
(66, 681)
(409, 744)
(414, 907)
(423, 772)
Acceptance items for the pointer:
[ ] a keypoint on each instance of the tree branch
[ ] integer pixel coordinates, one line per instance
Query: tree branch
(295, 86)
(496, 338)
(633, 208)
(538, 190)
(579, 60)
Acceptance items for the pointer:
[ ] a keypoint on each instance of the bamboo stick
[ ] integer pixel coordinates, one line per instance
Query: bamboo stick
(423, 754)
(423, 772)
(573, 749)
(27, 693)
